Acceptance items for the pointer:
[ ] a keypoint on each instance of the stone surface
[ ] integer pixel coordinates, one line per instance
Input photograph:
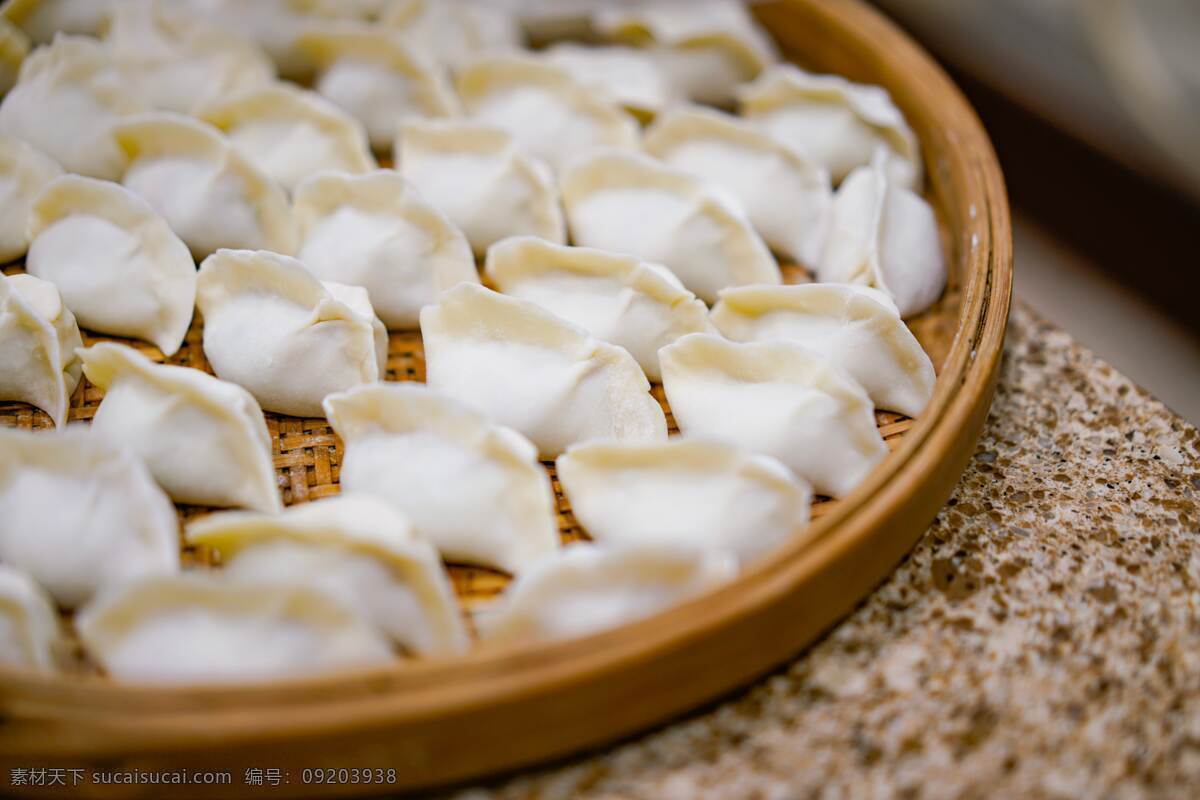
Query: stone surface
(1042, 640)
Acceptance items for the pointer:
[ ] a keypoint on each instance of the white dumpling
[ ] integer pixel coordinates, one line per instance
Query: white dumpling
(79, 514)
(38, 338)
(834, 122)
(587, 589)
(477, 176)
(857, 328)
(778, 399)
(378, 80)
(31, 636)
(291, 340)
(210, 194)
(291, 133)
(375, 231)
(67, 97)
(160, 411)
(175, 60)
(632, 77)
(358, 549)
(630, 203)
(42, 19)
(684, 494)
(474, 489)
(24, 172)
(203, 629)
(533, 371)
(884, 236)
(617, 298)
(786, 197)
(120, 268)
(707, 47)
(453, 32)
(551, 116)
(14, 46)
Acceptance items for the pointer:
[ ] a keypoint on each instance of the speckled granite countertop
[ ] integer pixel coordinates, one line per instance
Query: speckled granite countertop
(1042, 640)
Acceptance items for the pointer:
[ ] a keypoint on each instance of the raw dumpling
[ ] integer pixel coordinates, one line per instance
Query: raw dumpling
(30, 634)
(212, 197)
(176, 61)
(160, 412)
(473, 488)
(857, 328)
(884, 236)
(291, 133)
(378, 80)
(38, 338)
(587, 589)
(836, 123)
(535, 372)
(358, 549)
(118, 265)
(684, 494)
(67, 97)
(707, 47)
(42, 19)
(204, 629)
(779, 399)
(630, 203)
(24, 172)
(476, 175)
(551, 116)
(14, 46)
(273, 328)
(619, 299)
(375, 231)
(630, 76)
(786, 197)
(453, 32)
(79, 514)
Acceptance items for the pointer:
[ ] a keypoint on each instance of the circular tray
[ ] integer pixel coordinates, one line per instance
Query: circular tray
(436, 723)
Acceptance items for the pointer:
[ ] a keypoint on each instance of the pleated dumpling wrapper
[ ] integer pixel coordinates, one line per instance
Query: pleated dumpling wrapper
(42, 19)
(551, 115)
(616, 298)
(79, 514)
(785, 196)
(14, 47)
(291, 133)
(377, 79)
(377, 232)
(836, 123)
(855, 327)
(479, 178)
(707, 47)
(356, 548)
(204, 629)
(533, 371)
(120, 268)
(24, 172)
(38, 338)
(630, 203)
(161, 412)
(884, 236)
(65, 101)
(630, 76)
(31, 636)
(778, 399)
(210, 194)
(452, 32)
(291, 340)
(176, 60)
(474, 489)
(588, 588)
(685, 494)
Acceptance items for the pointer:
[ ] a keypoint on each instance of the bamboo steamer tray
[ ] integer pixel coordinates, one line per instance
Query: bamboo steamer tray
(497, 709)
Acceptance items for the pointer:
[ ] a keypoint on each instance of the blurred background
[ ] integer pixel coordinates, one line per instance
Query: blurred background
(1094, 108)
